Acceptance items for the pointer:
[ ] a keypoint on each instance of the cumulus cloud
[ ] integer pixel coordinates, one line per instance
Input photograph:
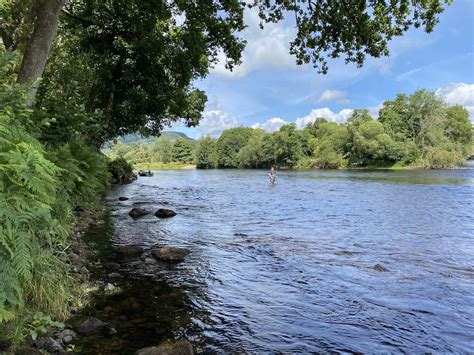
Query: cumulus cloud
(459, 94)
(266, 49)
(326, 113)
(215, 122)
(271, 125)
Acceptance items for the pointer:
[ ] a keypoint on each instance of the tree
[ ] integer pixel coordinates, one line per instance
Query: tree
(287, 146)
(331, 143)
(163, 149)
(229, 144)
(206, 153)
(45, 17)
(457, 126)
(253, 154)
(182, 151)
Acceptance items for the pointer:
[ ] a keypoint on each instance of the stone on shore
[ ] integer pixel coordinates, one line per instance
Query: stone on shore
(170, 254)
(50, 345)
(165, 213)
(182, 347)
(128, 249)
(90, 325)
(138, 212)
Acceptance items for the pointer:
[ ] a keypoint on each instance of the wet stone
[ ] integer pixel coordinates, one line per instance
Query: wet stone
(182, 347)
(170, 254)
(128, 249)
(165, 213)
(91, 325)
(123, 198)
(379, 267)
(138, 212)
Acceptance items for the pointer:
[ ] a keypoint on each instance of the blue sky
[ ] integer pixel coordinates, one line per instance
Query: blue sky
(269, 89)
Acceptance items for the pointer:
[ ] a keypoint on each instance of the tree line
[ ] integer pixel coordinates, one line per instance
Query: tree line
(417, 130)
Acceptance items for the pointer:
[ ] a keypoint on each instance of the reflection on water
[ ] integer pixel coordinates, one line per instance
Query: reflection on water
(290, 268)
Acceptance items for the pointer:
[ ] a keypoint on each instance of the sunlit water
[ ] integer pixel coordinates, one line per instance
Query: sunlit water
(289, 268)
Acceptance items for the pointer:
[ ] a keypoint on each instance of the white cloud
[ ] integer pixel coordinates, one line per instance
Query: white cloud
(459, 94)
(271, 125)
(216, 121)
(326, 113)
(266, 49)
(331, 95)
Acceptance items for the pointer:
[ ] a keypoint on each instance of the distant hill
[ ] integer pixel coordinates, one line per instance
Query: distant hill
(138, 138)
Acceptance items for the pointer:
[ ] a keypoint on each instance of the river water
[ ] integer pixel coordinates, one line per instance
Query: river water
(290, 267)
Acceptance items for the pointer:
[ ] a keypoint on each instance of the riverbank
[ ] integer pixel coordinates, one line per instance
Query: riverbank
(163, 166)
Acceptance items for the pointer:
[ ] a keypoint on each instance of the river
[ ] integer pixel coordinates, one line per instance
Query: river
(290, 267)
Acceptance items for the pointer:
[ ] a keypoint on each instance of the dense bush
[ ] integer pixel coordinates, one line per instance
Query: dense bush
(121, 171)
(39, 186)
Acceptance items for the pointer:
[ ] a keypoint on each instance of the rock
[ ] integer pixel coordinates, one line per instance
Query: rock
(112, 266)
(67, 336)
(123, 198)
(114, 275)
(109, 288)
(182, 347)
(50, 345)
(137, 212)
(165, 213)
(90, 325)
(378, 267)
(128, 249)
(111, 331)
(170, 254)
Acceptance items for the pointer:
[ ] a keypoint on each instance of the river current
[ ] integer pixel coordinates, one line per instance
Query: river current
(290, 267)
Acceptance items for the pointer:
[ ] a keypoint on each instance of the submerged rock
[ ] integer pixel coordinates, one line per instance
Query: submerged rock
(128, 249)
(182, 347)
(91, 325)
(378, 267)
(123, 198)
(138, 212)
(170, 254)
(165, 213)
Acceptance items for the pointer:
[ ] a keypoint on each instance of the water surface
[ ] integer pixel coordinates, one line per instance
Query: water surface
(289, 268)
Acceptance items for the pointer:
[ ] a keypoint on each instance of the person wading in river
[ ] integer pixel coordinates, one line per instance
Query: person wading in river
(272, 175)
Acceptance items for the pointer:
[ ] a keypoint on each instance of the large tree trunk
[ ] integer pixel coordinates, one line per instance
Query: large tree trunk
(46, 18)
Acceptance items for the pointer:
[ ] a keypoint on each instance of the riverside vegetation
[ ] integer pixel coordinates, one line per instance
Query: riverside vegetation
(76, 74)
(411, 131)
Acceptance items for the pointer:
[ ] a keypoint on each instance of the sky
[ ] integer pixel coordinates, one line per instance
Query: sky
(269, 90)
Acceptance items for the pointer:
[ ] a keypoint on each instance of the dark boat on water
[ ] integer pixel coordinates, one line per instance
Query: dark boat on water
(145, 173)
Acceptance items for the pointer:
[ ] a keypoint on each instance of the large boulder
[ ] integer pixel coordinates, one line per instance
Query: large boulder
(128, 249)
(91, 325)
(138, 212)
(182, 347)
(165, 213)
(169, 254)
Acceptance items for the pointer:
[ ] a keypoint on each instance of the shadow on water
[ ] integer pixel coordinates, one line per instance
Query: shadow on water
(141, 310)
